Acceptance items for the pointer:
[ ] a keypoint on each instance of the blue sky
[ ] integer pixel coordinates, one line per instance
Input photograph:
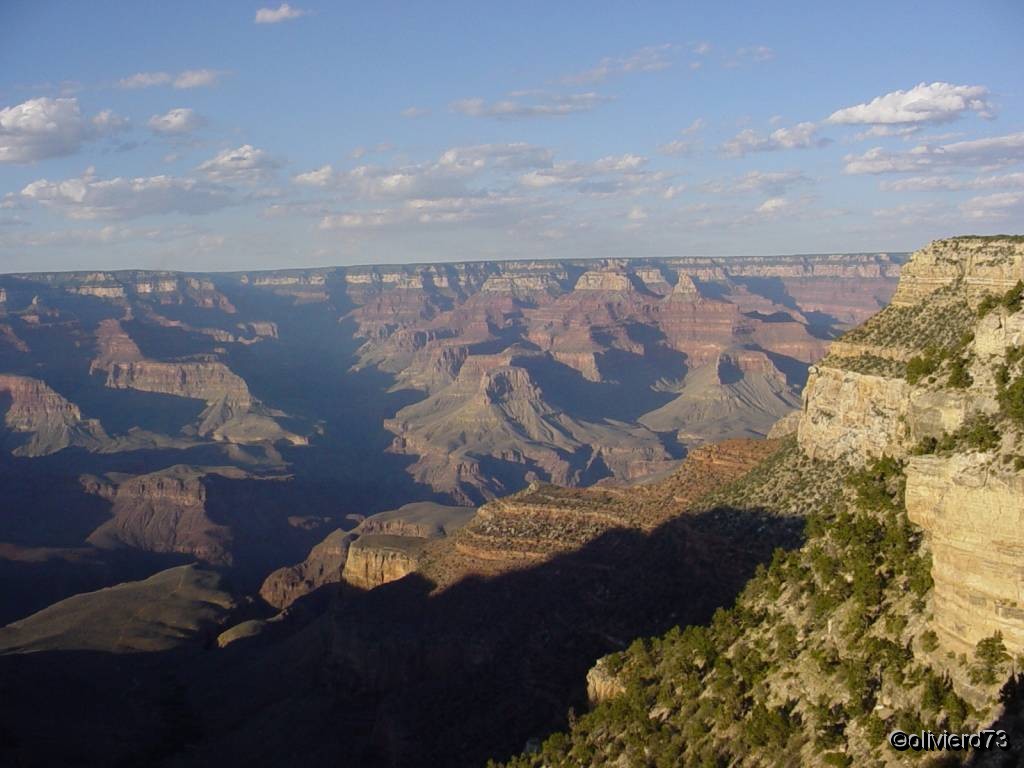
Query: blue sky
(239, 135)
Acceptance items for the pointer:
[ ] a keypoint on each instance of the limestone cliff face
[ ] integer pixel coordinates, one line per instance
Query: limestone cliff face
(42, 421)
(324, 565)
(854, 410)
(374, 560)
(602, 684)
(166, 512)
(858, 404)
(984, 265)
(973, 514)
(210, 381)
(848, 415)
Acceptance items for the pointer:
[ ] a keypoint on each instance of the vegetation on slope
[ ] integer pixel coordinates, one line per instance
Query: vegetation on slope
(824, 653)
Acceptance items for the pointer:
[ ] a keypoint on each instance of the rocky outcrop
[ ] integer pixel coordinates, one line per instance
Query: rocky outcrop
(165, 511)
(853, 416)
(602, 684)
(210, 381)
(968, 502)
(377, 559)
(323, 565)
(982, 265)
(973, 514)
(786, 426)
(42, 422)
(543, 520)
(497, 414)
(740, 394)
(603, 281)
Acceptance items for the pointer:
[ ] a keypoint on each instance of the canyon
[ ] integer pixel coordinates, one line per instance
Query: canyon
(375, 477)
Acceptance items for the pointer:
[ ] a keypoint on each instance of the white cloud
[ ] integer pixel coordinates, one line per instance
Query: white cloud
(753, 54)
(414, 112)
(42, 128)
(283, 12)
(321, 177)
(144, 80)
(196, 78)
(191, 78)
(577, 174)
(105, 235)
(914, 214)
(107, 123)
(540, 105)
(952, 183)
(774, 205)
(686, 145)
(444, 177)
(421, 212)
(935, 103)
(88, 198)
(996, 207)
(176, 121)
(702, 48)
(978, 153)
(652, 58)
(800, 136)
(245, 164)
(774, 183)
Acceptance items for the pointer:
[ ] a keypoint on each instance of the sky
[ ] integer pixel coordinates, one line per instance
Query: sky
(245, 135)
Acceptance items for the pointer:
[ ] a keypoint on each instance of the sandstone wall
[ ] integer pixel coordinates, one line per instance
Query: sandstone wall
(973, 515)
(983, 265)
(852, 416)
(376, 560)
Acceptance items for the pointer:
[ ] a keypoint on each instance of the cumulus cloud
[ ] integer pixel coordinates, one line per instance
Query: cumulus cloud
(800, 136)
(612, 175)
(283, 12)
(934, 103)
(652, 58)
(531, 104)
(321, 177)
(191, 78)
(196, 78)
(88, 197)
(986, 153)
(42, 128)
(245, 164)
(774, 205)
(176, 122)
(444, 177)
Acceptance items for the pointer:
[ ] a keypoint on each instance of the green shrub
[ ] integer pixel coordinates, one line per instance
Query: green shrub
(929, 641)
(959, 378)
(1014, 297)
(990, 656)
(920, 366)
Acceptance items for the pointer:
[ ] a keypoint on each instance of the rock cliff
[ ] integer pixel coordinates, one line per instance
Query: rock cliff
(931, 380)
(41, 422)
